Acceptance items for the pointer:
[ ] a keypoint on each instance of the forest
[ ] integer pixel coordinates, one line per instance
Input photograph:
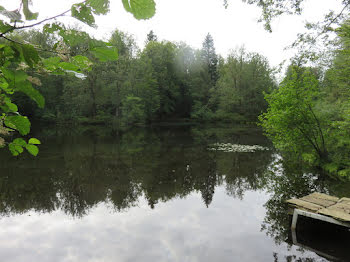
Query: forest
(82, 80)
(162, 82)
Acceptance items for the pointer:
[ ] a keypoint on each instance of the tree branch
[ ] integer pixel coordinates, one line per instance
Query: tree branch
(332, 21)
(36, 47)
(37, 23)
(32, 25)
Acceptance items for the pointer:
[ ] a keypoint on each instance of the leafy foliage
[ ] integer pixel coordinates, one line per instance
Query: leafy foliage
(244, 79)
(21, 63)
(141, 9)
(17, 145)
(291, 120)
(271, 9)
(311, 117)
(27, 13)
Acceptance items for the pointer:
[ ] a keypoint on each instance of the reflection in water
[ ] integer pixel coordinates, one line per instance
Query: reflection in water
(332, 242)
(78, 170)
(287, 179)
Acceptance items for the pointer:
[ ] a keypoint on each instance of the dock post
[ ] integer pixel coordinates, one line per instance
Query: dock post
(295, 219)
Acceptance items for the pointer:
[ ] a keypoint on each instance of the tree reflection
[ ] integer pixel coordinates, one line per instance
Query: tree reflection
(286, 179)
(77, 170)
(293, 258)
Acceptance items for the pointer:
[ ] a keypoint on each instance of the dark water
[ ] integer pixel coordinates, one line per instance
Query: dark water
(159, 194)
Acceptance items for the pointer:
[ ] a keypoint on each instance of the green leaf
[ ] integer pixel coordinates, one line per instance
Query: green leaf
(99, 7)
(4, 85)
(5, 27)
(19, 142)
(83, 13)
(19, 123)
(105, 53)
(82, 62)
(27, 13)
(74, 37)
(16, 146)
(51, 63)
(32, 149)
(34, 141)
(15, 76)
(52, 28)
(30, 55)
(141, 9)
(15, 149)
(18, 79)
(127, 6)
(13, 15)
(68, 66)
(27, 88)
(11, 107)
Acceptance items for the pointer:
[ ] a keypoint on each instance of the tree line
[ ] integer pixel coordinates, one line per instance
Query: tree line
(161, 82)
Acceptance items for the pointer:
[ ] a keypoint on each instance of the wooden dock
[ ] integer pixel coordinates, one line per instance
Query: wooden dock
(322, 207)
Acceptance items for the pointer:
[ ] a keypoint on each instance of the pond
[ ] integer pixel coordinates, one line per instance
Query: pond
(158, 194)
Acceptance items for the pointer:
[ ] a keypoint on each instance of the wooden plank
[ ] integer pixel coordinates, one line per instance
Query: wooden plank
(344, 200)
(343, 206)
(326, 205)
(304, 205)
(324, 196)
(318, 201)
(335, 213)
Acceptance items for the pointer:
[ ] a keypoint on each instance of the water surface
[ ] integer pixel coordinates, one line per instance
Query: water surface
(157, 194)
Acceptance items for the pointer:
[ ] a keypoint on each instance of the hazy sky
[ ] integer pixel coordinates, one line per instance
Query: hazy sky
(191, 20)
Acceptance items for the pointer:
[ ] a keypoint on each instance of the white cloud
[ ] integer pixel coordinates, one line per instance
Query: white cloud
(178, 230)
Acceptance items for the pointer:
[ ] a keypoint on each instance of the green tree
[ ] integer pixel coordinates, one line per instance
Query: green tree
(151, 37)
(210, 59)
(184, 63)
(311, 117)
(145, 86)
(114, 75)
(162, 58)
(133, 110)
(244, 78)
(336, 105)
(205, 76)
(291, 120)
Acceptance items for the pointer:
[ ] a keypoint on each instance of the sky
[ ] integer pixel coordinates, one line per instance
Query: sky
(191, 20)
